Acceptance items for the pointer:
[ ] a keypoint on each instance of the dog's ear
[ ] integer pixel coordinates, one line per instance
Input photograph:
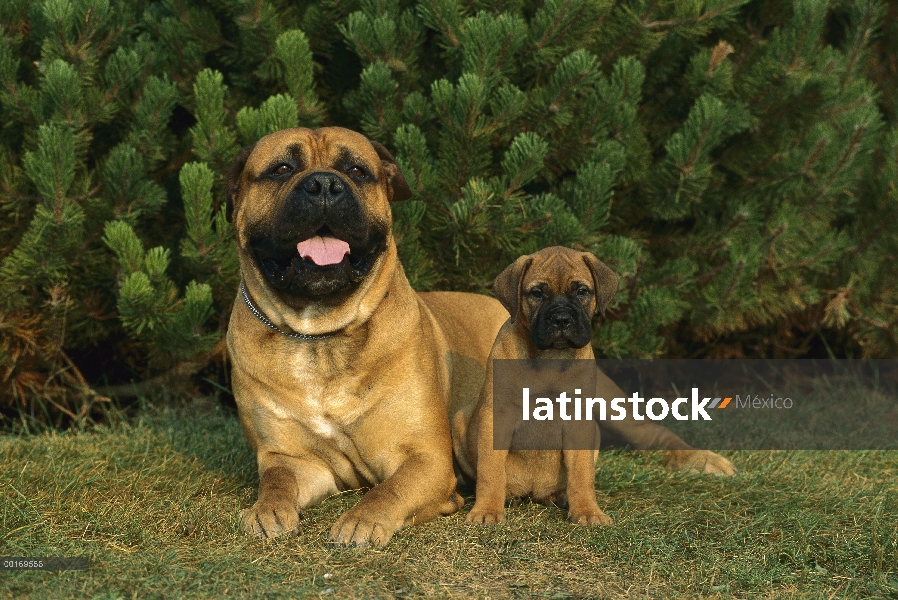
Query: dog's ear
(395, 178)
(232, 183)
(604, 280)
(507, 285)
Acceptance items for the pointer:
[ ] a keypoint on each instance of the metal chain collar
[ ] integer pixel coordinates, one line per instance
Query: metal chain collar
(264, 319)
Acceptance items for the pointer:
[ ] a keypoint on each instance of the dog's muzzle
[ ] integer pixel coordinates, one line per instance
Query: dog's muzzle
(321, 243)
(561, 324)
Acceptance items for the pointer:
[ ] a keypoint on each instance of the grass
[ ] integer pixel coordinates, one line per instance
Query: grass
(154, 503)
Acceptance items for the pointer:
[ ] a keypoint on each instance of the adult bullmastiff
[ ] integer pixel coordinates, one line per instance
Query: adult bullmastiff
(343, 375)
(551, 297)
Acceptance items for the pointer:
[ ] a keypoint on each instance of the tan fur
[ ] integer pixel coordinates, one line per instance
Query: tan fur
(366, 407)
(552, 476)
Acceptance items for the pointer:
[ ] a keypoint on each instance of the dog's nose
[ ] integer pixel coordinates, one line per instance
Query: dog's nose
(323, 185)
(561, 319)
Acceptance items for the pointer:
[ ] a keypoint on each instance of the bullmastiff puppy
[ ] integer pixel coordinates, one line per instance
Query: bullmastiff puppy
(551, 297)
(342, 374)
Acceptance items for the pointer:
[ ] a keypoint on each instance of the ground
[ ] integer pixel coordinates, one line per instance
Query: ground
(153, 500)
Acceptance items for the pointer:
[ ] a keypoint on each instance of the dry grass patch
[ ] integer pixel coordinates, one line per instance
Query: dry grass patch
(154, 503)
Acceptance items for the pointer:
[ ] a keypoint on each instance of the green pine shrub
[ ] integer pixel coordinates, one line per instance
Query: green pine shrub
(734, 161)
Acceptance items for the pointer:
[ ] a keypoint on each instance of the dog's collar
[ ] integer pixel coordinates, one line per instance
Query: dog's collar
(264, 319)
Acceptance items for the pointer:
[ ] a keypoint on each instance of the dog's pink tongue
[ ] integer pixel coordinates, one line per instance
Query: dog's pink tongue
(323, 250)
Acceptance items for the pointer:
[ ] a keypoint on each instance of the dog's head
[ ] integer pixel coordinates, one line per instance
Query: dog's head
(311, 211)
(557, 291)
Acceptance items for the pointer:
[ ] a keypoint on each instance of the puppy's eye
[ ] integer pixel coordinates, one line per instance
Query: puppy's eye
(537, 294)
(357, 172)
(283, 169)
(582, 292)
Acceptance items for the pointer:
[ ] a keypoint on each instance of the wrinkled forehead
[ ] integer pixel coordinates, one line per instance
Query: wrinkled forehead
(327, 147)
(560, 272)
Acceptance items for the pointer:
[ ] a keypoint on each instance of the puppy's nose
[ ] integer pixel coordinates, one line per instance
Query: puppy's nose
(323, 185)
(561, 319)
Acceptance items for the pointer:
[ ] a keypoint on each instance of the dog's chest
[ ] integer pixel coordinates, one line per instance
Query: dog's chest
(326, 409)
(324, 398)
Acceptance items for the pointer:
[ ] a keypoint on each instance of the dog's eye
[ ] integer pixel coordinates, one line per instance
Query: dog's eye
(582, 292)
(282, 169)
(537, 294)
(357, 172)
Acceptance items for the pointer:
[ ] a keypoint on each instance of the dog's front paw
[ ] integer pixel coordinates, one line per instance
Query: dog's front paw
(483, 514)
(590, 516)
(362, 527)
(270, 518)
(699, 461)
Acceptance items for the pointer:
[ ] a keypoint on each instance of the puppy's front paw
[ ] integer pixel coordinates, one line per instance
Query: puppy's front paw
(590, 516)
(699, 461)
(362, 527)
(270, 518)
(484, 514)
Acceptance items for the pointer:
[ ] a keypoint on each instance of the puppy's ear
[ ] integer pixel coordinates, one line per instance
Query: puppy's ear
(232, 183)
(395, 178)
(507, 285)
(604, 280)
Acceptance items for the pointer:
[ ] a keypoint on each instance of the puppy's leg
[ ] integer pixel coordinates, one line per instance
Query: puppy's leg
(286, 486)
(581, 495)
(489, 506)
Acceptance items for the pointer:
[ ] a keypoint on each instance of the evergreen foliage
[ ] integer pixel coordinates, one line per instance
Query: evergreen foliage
(734, 161)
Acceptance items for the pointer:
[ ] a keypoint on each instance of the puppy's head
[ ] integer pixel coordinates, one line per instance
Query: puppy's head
(556, 291)
(311, 210)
